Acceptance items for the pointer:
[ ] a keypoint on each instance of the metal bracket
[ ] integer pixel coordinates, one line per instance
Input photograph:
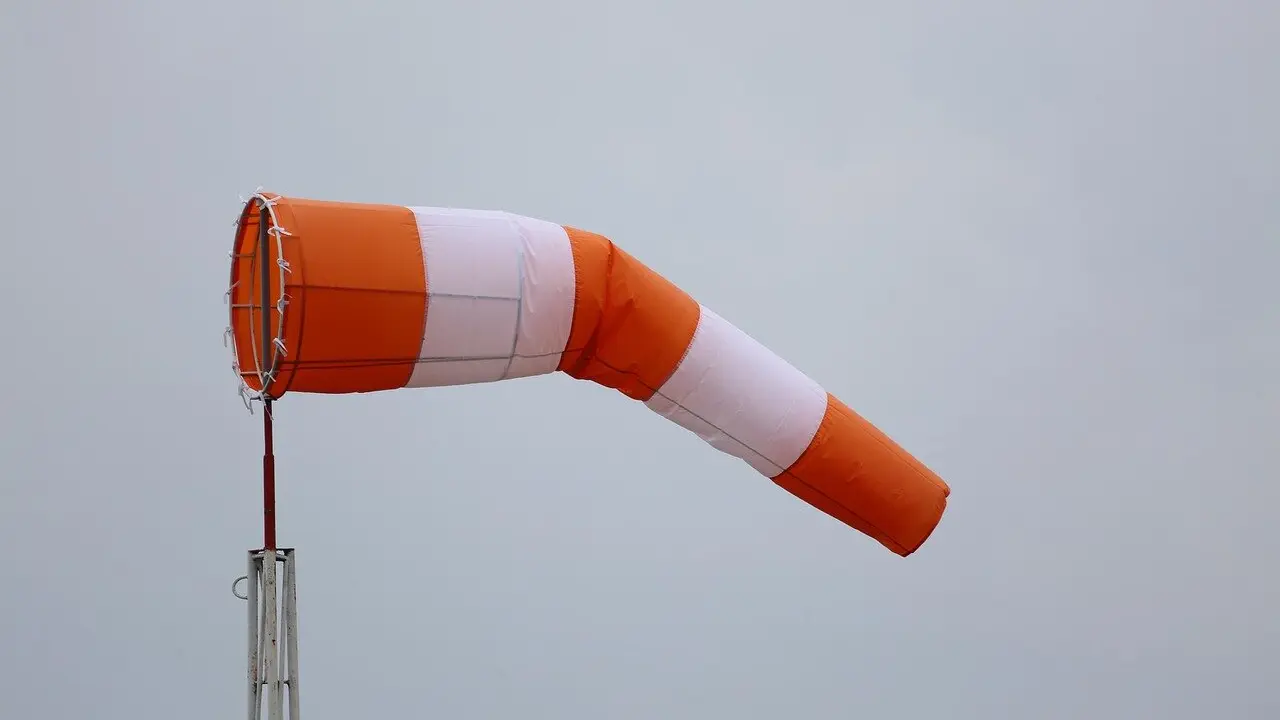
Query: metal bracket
(236, 583)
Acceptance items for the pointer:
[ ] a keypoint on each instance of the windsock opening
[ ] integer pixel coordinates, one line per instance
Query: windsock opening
(255, 296)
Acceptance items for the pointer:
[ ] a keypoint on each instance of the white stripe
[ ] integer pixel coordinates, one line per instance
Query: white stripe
(546, 315)
(500, 292)
(741, 398)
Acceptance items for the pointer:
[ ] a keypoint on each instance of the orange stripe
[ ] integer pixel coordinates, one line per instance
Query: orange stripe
(358, 297)
(631, 326)
(858, 475)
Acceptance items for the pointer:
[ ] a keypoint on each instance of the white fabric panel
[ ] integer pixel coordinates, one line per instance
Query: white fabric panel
(498, 286)
(546, 313)
(741, 398)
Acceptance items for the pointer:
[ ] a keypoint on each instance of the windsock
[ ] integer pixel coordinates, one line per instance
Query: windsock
(366, 297)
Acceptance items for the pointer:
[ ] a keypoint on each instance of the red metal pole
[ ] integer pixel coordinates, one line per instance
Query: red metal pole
(268, 450)
(268, 481)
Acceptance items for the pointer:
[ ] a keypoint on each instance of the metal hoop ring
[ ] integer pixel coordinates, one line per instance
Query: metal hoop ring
(264, 203)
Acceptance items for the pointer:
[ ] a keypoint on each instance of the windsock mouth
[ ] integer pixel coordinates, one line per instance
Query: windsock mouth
(256, 299)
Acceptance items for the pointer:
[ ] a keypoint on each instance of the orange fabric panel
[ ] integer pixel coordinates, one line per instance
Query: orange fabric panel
(358, 296)
(858, 475)
(631, 326)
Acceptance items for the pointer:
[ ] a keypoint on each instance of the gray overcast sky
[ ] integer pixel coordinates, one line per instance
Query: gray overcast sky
(1035, 242)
